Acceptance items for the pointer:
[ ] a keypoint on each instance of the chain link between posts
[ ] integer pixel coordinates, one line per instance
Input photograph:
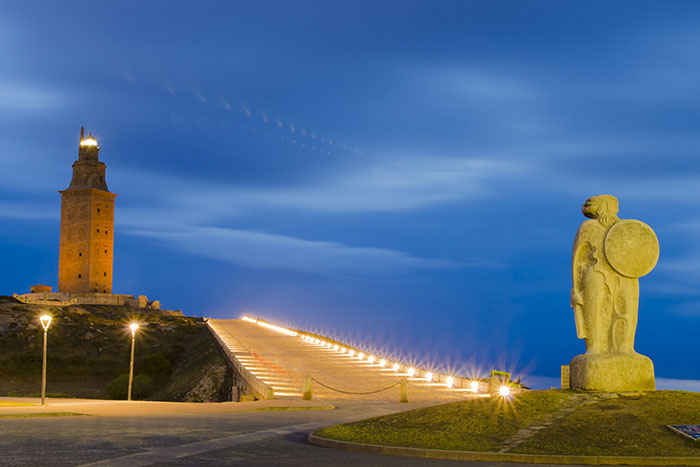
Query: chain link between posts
(356, 393)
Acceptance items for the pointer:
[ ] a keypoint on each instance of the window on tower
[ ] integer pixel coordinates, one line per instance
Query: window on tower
(105, 274)
(80, 254)
(79, 276)
(105, 251)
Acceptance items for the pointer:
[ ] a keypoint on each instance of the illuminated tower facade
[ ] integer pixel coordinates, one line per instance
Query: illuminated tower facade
(87, 225)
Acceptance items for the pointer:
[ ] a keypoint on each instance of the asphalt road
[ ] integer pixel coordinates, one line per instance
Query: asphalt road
(275, 438)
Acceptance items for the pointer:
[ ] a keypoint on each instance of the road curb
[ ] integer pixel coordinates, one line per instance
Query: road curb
(498, 456)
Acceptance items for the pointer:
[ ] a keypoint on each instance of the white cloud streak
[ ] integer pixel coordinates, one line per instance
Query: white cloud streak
(21, 96)
(269, 251)
(23, 210)
(413, 183)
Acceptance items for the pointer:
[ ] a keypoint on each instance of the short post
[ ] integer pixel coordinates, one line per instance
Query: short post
(308, 390)
(565, 377)
(403, 390)
(269, 394)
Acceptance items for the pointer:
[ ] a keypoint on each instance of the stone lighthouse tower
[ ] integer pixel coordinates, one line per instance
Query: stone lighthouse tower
(87, 225)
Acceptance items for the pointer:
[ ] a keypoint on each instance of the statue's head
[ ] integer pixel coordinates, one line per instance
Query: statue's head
(604, 208)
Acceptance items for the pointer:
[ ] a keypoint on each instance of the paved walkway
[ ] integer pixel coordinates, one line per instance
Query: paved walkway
(247, 439)
(282, 361)
(110, 408)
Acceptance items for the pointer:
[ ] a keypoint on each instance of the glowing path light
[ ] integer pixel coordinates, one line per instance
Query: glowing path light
(45, 323)
(411, 372)
(133, 327)
(475, 386)
(382, 362)
(429, 376)
(504, 391)
(449, 381)
(395, 367)
(285, 331)
(371, 359)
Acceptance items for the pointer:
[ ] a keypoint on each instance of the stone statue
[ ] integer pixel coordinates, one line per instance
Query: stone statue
(608, 257)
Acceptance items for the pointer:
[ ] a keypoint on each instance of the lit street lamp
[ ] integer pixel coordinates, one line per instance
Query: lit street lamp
(133, 327)
(45, 323)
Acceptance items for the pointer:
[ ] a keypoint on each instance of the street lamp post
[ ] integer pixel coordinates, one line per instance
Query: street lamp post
(133, 327)
(45, 323)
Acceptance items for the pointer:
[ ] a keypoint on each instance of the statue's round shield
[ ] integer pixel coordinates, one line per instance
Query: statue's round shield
(631, 248)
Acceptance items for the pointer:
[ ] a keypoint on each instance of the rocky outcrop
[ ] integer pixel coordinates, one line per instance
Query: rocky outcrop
(209, 387)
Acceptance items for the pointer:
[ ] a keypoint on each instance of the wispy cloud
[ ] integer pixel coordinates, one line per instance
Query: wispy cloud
(270, 251)
(187, 209)
(472, 82)
(409, 183)
(25, 210)
(15, 96)
(207, 219)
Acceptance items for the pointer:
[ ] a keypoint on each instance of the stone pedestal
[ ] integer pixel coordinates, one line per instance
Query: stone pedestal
(612, 372)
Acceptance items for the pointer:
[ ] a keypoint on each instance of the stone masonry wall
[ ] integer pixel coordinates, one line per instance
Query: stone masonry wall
(87, 241)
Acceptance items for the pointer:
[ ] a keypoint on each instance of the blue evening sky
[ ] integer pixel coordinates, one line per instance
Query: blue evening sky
(406, 176)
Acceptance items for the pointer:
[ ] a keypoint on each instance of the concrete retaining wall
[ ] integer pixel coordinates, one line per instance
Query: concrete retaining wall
(246, 382)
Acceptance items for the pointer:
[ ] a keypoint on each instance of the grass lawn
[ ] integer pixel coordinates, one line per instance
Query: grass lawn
(629, 426)
(288, 409)
(625, 426)
(472, 425)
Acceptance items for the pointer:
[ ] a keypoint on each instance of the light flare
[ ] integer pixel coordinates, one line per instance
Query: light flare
(285, 331)
(89, 141)
(45, 321)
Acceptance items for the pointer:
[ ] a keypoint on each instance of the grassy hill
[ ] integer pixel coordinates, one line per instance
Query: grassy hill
(89, 346)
